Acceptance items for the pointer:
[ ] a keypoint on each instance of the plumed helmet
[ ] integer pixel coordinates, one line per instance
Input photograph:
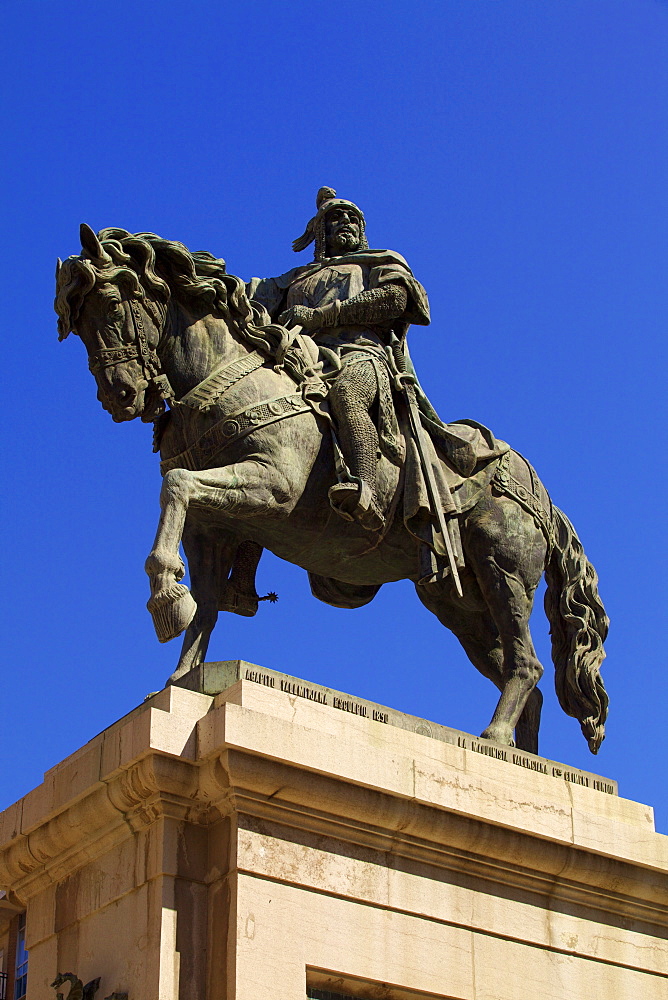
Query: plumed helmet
(326, 200)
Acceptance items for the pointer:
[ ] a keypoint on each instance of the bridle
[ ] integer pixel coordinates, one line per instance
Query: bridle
(139, 351)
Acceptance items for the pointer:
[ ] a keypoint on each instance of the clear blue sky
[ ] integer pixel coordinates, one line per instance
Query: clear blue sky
(515, 152)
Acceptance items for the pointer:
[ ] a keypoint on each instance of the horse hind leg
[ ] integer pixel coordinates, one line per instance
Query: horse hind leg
(209, 562)
(485, 651)
(510, 607)
(469, 619)
(528, 724)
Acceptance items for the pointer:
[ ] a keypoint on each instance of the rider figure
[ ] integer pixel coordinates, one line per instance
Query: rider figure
(352, 301)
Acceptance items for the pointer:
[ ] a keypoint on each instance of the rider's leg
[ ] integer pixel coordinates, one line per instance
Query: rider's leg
(352, 395)
(238, 594)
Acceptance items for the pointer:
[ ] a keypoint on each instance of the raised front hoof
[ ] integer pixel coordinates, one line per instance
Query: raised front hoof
(498, 734)
(238, 602)
(355, 503)
(172, 611)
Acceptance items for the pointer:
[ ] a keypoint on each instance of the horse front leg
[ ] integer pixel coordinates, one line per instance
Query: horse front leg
(171, 604)
(244, 490)
(209, 556)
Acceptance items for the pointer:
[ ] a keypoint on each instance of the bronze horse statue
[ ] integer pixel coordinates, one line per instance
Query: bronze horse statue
(248, 458)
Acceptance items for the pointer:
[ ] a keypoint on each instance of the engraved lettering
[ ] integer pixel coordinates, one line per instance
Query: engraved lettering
(576, 779)
(531, 765)
(489, 751)
(259, 678)
(354, 707)
(344, 704)
(301, 691)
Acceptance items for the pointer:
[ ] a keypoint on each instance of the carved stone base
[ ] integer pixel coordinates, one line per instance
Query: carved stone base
(259, 835)
(172, 611)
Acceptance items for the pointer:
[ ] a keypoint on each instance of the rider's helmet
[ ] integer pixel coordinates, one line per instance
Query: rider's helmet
(315, 230)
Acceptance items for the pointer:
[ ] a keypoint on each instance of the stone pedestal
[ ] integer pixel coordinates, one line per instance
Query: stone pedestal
(263, 836)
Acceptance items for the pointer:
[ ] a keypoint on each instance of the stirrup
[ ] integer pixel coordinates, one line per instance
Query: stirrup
(356, 502)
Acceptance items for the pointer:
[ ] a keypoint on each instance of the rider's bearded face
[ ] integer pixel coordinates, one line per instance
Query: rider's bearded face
(343, 231)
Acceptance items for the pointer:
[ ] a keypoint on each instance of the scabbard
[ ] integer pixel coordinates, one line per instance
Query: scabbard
(432, 489)
(417, 430)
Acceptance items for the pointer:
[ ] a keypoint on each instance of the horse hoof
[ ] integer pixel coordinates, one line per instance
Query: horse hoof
(495, 736)
(172, 611)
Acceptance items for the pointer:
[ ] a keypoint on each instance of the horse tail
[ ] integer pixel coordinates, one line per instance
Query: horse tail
(578, 626)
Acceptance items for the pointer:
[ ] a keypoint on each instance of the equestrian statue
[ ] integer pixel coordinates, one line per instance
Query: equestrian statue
(288, 416)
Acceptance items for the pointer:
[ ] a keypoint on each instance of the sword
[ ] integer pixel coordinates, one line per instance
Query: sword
(408, 389)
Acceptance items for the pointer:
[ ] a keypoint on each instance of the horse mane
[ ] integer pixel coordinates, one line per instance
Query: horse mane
(143, 262)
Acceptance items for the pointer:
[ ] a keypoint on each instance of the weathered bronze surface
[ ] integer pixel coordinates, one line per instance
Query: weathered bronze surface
(295, 422)
(77, 990)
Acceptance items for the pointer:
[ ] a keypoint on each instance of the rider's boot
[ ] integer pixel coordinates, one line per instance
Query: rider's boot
(238, 594)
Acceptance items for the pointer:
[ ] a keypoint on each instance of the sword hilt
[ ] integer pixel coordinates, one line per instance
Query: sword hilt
(398, 352)
(405, 380)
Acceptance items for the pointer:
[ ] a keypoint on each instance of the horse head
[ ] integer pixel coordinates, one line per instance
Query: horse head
(129, 297)
(77, 989)
(76, 986)
(111, 297)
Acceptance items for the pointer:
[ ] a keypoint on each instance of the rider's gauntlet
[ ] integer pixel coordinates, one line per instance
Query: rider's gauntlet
(373, 306)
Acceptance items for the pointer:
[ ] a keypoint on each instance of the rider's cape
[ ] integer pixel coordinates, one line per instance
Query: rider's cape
(463, 457)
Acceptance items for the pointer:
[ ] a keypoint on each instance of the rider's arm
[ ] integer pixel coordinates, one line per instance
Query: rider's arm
(377, 305)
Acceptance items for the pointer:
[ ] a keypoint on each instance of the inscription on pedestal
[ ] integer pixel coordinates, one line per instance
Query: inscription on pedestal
(212, 678)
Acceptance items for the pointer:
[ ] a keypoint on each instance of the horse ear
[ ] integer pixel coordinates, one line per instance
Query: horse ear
(61, 334)
(91, 244)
